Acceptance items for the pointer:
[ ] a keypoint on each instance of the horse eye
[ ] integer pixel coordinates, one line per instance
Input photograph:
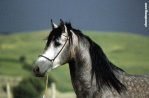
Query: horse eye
(57, 43)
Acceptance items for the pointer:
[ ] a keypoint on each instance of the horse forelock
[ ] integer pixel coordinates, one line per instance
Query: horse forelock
(57, 32)
(54, 34)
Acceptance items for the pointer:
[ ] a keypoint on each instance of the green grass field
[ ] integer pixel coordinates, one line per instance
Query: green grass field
(128, 51)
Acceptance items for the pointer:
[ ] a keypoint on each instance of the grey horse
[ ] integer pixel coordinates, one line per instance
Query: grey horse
(92, 74)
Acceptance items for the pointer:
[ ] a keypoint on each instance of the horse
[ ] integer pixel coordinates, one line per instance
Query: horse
(92, 74)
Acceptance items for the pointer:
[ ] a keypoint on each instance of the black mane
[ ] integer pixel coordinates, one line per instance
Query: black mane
(102, 68)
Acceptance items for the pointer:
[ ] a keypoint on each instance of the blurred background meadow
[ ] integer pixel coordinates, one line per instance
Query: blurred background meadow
(117, 26)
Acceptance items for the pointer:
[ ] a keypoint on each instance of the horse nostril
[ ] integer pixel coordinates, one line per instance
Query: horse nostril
(36, 69)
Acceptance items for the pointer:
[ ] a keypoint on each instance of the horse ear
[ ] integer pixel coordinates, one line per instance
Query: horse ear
(63, 26)
(54, 26)
(61, 23)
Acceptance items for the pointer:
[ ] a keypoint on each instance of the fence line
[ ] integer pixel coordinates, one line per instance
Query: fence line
(9, 93)
(8, 90)
(53, 90)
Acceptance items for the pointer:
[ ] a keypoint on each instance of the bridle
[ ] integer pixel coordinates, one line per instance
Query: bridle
(52, 60)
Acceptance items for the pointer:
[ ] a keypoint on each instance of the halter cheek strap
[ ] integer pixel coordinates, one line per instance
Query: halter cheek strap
(52, 60)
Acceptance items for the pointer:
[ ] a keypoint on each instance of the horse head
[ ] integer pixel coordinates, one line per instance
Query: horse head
(56, 52)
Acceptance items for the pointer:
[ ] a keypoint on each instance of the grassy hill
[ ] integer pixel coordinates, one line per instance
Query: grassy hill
(127, 51)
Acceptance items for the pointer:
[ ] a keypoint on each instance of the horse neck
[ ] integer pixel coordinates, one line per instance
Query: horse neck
(80, 67)
(90, 67)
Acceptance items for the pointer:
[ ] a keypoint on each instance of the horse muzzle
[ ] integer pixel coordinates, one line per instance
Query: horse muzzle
(37, 72)
(41, 67)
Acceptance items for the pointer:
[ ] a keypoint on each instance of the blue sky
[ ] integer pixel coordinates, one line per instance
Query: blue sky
(97, 15)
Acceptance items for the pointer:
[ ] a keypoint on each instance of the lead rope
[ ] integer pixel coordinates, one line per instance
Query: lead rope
(44, 95)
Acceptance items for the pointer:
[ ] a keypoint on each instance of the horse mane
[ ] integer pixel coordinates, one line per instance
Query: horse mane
(102, 68)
